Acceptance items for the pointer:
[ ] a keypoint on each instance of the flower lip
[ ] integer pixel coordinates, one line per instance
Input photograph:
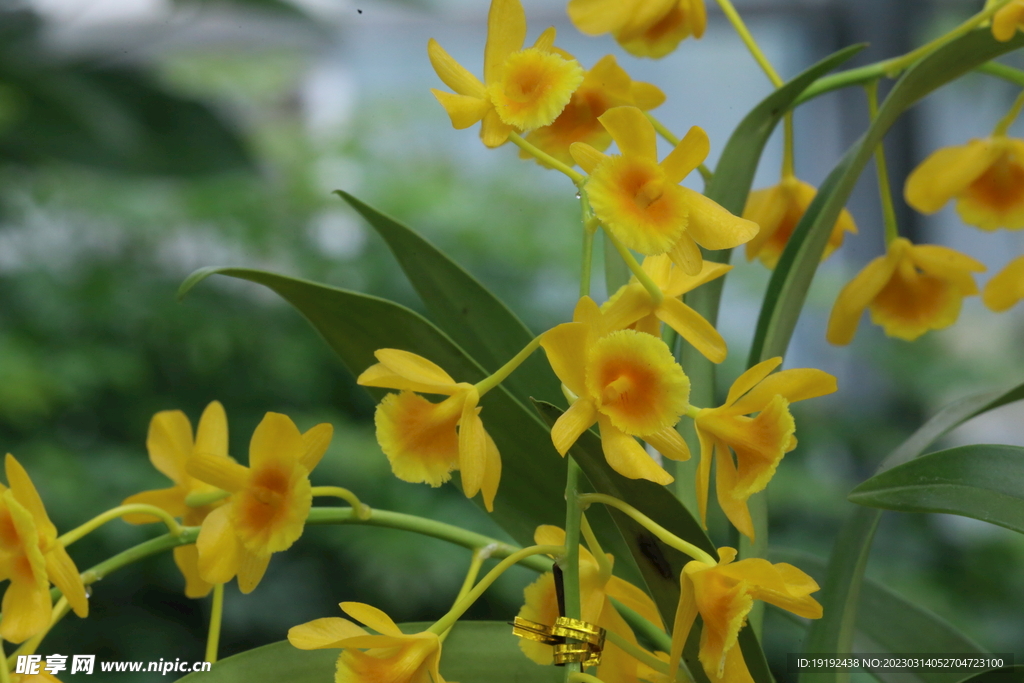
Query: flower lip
(534, 88)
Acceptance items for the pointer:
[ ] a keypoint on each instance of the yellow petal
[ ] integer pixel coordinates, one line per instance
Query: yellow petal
(169, 443)
(686, 254)
(627, 457)
(796, 384)
(1006, 288)
(724, 605)
(751, 378)
(690, 153)
(949, 265)
(323, 633)
(220, 472)
(472, 446)
(698, 18)
(947, 173)
(573, 422)
(646, 95)
(644, 15)
(453, 74)
(315, 442)
(170, 499)
(24, 491)
(492, 474)
(782, 585)
(186, 557)
(546, 40)
(713, 227)
(669, 443)
(540, 606)
(26, 609)
(680, 283)
(212, 432)
(419, 437)
(372, 617)
(493, 131)
(218, 547)
(380, 375)
(730, 496)
(565, 346)
(463, 110)
(1007, 20)
(594, 17)
(506, 31)
(768, 208)
(251, 568)
(632, 132)
(703, 478)
(635, 599)
(857, 294)
(586, 156)
(686, 614)
(626, 306)
(276, 442)
(413, 367)
(692, 327)
(64, 575)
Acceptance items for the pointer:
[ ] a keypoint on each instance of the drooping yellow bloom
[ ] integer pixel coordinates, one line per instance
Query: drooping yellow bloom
(633, 306)
(523, 89)
(912, 289)
(420, 437)
(596, 591)
(759, 443)
(606, 85)
(1006, 288)
(31, 557)
(645, 28)
(640, 201)
(986, 177)
(391, 657)
(170, 445)
(625, 381)
(723, 595)
(1007, 20)
(269, 501)
(777, 210)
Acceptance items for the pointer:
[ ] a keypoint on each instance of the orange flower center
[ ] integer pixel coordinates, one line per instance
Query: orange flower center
(1001, 187)
(912, 303)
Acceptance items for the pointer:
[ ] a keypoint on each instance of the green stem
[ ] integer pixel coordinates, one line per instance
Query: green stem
(788, 153)
(741, 29)
(892, 231)
(604, 566)
(99, 520)
(505, 370)
(477, 561)
(637, 652)
(449, 619)
(663, 534)
(216, 614)
(574, 175)
(1011, 116)
(198, 500)
(570, 563)
(1007, 73)
(589, 230)
(638, 272)
(362, 511)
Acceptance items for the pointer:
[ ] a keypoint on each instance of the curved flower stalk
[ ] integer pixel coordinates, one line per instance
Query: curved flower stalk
(1006, 288)
(634, 306)
(523, 89)
(270, 500)
(777, 210)
(644, 28)
(986, 177)
(170, 445)
(912, 289)
(723, 595)
(640, 202)
(391, 656)
(597, 587)
(32, 557)
(606, 85)
(759, 443)
(425, 441)
(625, 381)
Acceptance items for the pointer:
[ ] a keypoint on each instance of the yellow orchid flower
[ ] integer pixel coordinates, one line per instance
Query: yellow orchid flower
(170, 445)
(777, 210)
(270, 500)
(632, 305)
(420, 437)
(723, 595)
(625, 381)
(31, 557)
(1007, 20)
(986, 177)
(640, 201)
(1006, 288)
(392, 656)
(912, 289)
(523, 89)
(644, 28)
(759, 443)
(606, 85)
(596, 591)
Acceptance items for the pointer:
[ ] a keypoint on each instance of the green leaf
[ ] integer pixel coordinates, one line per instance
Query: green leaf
(474, 318)
(1009, 674)
(474, 652)
(798, 264)
(890, 622)
(983, 482)
(842, 584)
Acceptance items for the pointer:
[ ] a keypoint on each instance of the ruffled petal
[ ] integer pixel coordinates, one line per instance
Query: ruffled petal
(453, 74)
(782, 585)
(690, 153)
(372, 617)
(947, 172)
(627, 457)
(321, 634)
(573, 422)
(632, 132)
(540, 606)
(506, 31)
(1006, 288)
(692, 327)
(169, 442)
(419, 437)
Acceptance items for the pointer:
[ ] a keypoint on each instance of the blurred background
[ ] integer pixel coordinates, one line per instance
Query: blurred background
(142, 139)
